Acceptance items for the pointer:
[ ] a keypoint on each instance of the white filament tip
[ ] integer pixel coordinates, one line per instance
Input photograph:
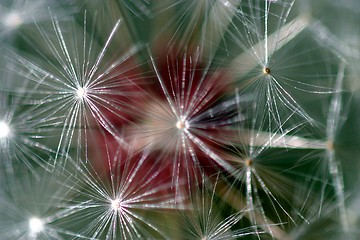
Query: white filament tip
(226, 3)
(81, 92)
(181, 124)
(116, 204)
(4, 130)
(12, 20)
(36, 225)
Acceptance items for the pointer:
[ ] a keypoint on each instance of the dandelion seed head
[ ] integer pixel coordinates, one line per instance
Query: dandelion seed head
(4, 130)
(12, 20)
(81, 92)
(35, 225)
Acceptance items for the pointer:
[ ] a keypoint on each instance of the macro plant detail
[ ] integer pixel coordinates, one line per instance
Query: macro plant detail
(136, 119)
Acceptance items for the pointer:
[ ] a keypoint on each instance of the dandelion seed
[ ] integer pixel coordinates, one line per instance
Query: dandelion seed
(88, 88)
(178, 121)
(31, 205)
(259, 180)
(22, 128)
(116, 202)
(328, 171)
(260, 68)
